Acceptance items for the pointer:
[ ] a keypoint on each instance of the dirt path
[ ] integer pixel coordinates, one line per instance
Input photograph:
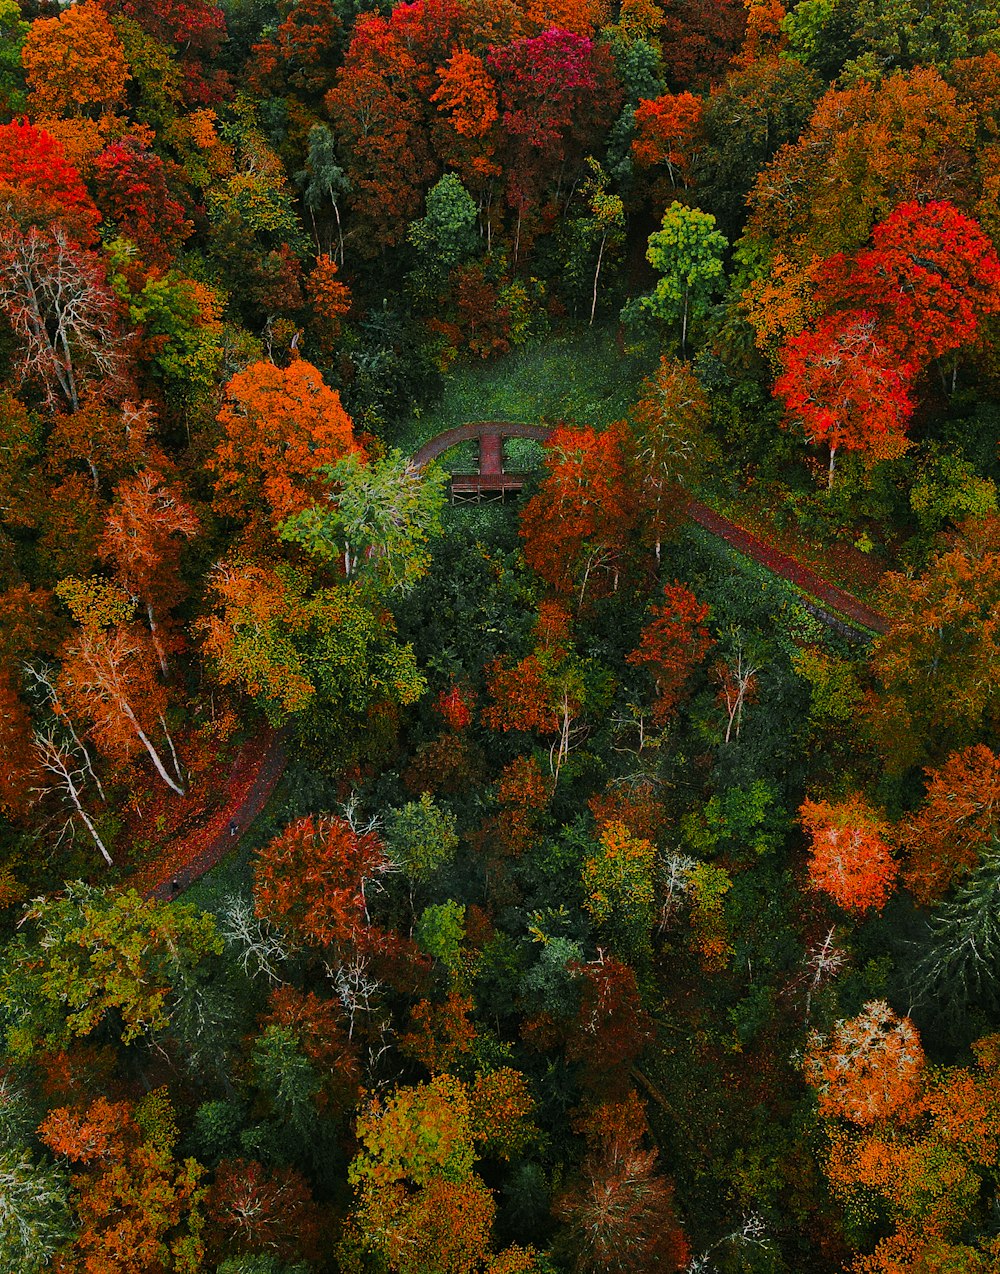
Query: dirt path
(803, 577)
(259, 765)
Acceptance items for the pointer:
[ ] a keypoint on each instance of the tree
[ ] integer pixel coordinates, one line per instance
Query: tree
(378, 521)
(577, 525)
(446, 234)
(606, 222)
(844, 382)
(699, 40)
(137, 1205)
(937, 665)
(34, 1212)
(323, 181)
(421, 837)
(143, 536)
(866, 149)
(962, 960)
(556, 91)
(87, 959)
(618, 889)
(330, 300)
(666, 131)
(419, 1205)
(688, 252)
(849, 857)
(134, 197)
(107, 677)
(255, 1209)
(311, 879)
(620, 1214)
(39, 187)
(744, 124)
(467, 130)
(325, 655)
(870, 1068)
(378, 116)
(931, 273)
(75, 64)
(280, 425)
(955, 823)
(670, 446)
(55, 297)
(673, 643)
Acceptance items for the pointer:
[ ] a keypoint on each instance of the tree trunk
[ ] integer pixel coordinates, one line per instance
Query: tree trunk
(154, 633)
(597, 275)
(147, 743)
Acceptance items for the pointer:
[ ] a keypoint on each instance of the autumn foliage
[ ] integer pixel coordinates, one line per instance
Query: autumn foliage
(849, 857)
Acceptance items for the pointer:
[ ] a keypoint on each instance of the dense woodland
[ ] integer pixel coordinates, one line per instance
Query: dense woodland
(617, 908)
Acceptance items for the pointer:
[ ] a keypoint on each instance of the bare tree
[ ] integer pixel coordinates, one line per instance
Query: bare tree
(56, 298)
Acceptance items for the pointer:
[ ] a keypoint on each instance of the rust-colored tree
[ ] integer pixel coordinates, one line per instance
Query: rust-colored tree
(958, 819)
(849, 857)
(870, 1068)
(673, 644)
(576, 530)
(619, 1214)
(279, 425)
(311, 879)
(844, 381)
(144, 533)
(137, 1207)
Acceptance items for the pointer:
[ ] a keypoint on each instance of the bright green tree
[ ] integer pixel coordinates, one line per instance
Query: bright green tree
(379, 521)
(90, 958)
(688, 253)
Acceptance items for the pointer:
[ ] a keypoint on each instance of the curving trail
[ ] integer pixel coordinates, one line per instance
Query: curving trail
(258, 767)
(802, 577)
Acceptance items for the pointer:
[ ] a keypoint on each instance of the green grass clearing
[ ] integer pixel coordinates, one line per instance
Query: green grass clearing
(578, 375)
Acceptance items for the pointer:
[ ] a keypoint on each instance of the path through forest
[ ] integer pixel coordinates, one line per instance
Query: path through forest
(259, 764)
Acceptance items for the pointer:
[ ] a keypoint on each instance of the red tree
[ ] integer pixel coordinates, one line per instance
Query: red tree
(133, 194)
(844, 381)
(620, 1213)
(256, 1209)
(673, 644)
(38, 186)
(931, 274)
(380, 120)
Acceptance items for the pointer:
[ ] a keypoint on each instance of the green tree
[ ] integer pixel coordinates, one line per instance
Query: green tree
(446, 234)
(378, 524)
(688, 253)
(90, 958)
(323, 181)
(618, 889)
(441, 932)
(421, 837)
(12, 33)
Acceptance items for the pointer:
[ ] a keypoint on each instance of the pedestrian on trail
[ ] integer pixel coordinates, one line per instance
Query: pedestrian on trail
(233, 828)
(175, 884)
